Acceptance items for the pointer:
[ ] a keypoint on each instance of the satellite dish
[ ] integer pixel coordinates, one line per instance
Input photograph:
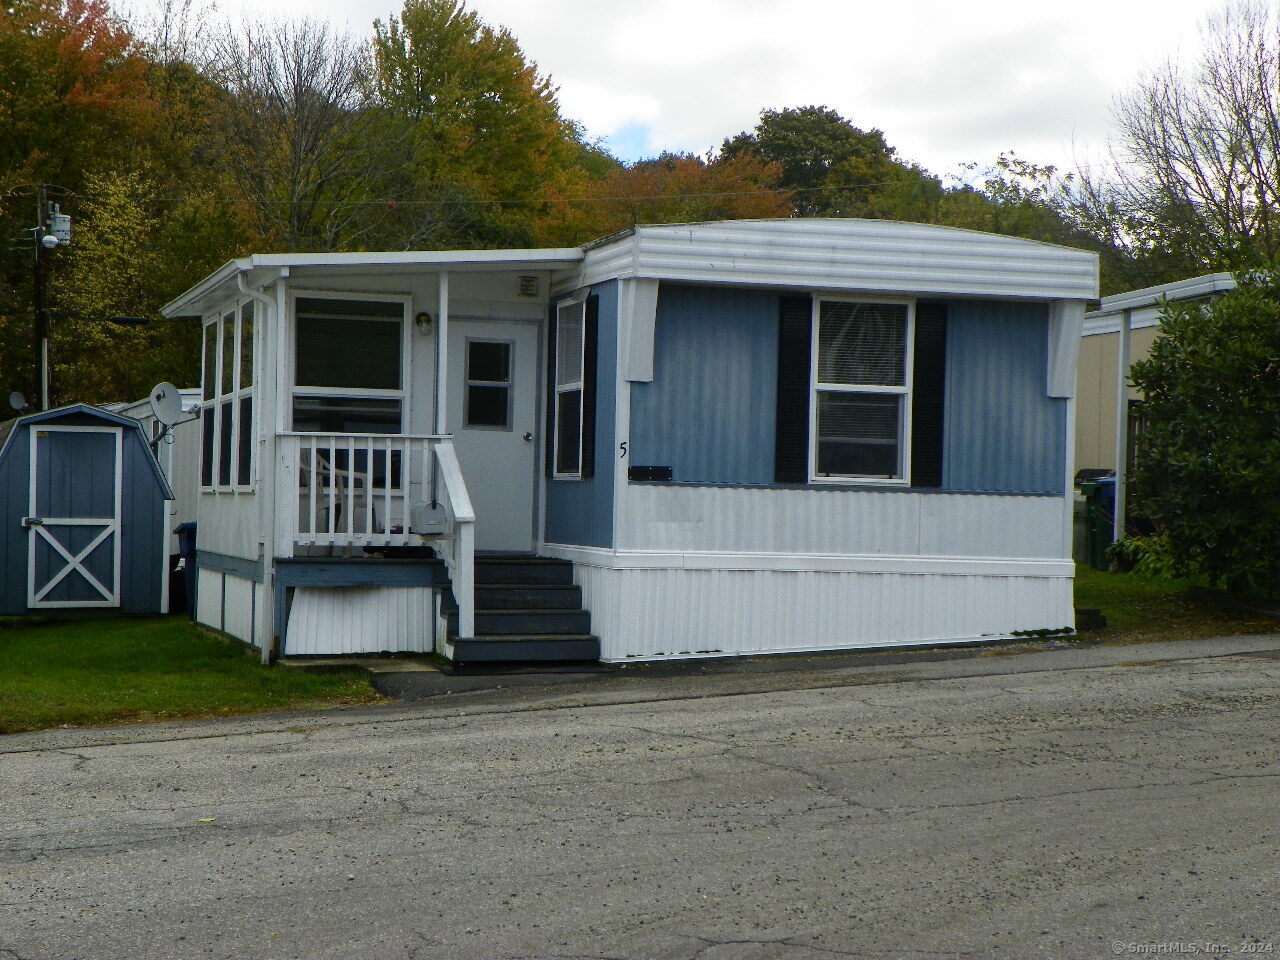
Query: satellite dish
(166, 403)
(17, 401)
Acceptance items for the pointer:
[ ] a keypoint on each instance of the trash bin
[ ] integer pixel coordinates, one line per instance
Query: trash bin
(1100, 511)
(187, 550)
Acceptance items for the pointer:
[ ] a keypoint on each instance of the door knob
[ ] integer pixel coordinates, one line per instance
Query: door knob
(528, 436)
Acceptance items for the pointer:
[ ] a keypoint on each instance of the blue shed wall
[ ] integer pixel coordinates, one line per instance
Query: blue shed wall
(1002, 432)
(14, 490)
(90, 485)
(709, 412)
(580, 512)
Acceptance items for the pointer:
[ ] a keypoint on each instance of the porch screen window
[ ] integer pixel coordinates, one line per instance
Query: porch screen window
(861, 390)
(347, 366)
(226, 401)
(570, 323)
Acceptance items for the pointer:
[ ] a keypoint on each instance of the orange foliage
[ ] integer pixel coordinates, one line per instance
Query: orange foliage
(673, 188)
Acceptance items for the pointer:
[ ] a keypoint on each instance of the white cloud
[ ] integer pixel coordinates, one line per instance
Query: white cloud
(944, 81)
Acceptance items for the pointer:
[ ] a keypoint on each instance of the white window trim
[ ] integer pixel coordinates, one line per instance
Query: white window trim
(406, 345)
(213, 406)
(579, 385)
(905, 391)
(508, 384)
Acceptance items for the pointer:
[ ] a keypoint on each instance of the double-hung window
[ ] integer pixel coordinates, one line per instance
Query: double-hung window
(226, 400)
(348, 365)
(861, 396)
(570, 341)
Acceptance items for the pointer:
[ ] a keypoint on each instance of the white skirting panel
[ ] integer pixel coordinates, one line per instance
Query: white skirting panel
(345, 620)
(209, 598)
(658, 613)
(237, 607)
(840, 522)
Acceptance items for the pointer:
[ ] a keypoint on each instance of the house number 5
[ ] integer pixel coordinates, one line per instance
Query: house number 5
(622, 447)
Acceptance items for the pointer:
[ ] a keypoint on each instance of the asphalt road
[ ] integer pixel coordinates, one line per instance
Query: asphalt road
(1113, 808)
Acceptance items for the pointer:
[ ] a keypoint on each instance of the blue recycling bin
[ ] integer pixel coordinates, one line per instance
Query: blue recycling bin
(187, 550)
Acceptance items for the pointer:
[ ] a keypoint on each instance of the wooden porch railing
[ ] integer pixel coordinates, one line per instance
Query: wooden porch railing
(380, 490)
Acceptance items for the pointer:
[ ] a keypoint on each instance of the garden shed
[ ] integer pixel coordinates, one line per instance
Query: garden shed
(83, 515)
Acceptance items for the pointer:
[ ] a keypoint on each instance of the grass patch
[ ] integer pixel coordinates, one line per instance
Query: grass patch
(1141, 609)
(94, 671)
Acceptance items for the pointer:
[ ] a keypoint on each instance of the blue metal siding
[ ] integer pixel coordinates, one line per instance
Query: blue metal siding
(709, 412)
(14, 490)
(580, 512)
(144, 543)
(1002, 432)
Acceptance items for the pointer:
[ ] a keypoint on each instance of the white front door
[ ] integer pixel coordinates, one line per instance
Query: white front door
(493, 404)
(73, 527)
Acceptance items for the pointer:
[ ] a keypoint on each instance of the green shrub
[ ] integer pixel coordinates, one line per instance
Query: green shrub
(1208, 467)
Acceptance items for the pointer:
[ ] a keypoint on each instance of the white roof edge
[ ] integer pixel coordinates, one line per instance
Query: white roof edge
(1187, 289)
(547, 257)
(906, 224)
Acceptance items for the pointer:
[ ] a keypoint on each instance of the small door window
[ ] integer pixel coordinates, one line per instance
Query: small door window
(488, 399)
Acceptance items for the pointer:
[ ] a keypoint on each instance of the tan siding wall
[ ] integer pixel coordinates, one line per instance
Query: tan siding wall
(1096, 395)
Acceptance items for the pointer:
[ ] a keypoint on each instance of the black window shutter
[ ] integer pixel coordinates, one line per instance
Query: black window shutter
(928, 386)
(590, 340)
(791, 440)
(551, 391)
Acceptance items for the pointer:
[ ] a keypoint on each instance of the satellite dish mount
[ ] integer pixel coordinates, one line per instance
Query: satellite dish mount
(166, 407)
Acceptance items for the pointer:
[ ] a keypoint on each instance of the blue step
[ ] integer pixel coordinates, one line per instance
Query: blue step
(526, 649)
(550, 596)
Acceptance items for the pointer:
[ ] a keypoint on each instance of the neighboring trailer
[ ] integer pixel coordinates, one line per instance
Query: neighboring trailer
(1098, 428)
(178, 455)
(83, 516)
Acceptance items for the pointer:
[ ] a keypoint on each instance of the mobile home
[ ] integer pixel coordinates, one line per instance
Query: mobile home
(685, 440)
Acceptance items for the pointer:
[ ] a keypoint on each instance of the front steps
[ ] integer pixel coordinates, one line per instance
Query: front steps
(528, 610)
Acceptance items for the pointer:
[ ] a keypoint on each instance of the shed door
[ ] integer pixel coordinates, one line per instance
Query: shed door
(73, 526)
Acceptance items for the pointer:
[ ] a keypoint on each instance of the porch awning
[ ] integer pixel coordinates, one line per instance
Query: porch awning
(260, 268)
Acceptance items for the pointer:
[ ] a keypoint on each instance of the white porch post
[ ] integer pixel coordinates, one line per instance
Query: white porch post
(442, 356)
(1122, 422)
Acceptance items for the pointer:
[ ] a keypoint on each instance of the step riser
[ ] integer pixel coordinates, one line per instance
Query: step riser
(526, 651)
(530, 573)
(530, 623)
(529, 598)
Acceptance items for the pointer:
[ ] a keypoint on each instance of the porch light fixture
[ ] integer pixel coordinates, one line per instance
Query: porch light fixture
(422, 321)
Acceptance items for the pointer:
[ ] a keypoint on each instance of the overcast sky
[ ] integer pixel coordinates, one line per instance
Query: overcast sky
(947, 82)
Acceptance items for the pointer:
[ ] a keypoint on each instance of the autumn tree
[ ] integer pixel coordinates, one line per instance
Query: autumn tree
(672, 188)
(1195, 185)
(300, 140)
(477, 134)
(832, 167)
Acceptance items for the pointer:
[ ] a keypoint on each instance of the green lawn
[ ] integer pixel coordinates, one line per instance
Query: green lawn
(1140, 609)
(122, 670)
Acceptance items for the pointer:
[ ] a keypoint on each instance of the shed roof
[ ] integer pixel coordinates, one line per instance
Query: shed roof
(10, 427)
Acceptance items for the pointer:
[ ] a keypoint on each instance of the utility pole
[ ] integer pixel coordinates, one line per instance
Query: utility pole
(40, 330)
(52, 230)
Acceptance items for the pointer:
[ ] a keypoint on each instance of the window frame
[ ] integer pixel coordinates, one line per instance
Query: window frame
(212, 408)
(468, 383)
(401, 394)
(580, 303)
(905, 391)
